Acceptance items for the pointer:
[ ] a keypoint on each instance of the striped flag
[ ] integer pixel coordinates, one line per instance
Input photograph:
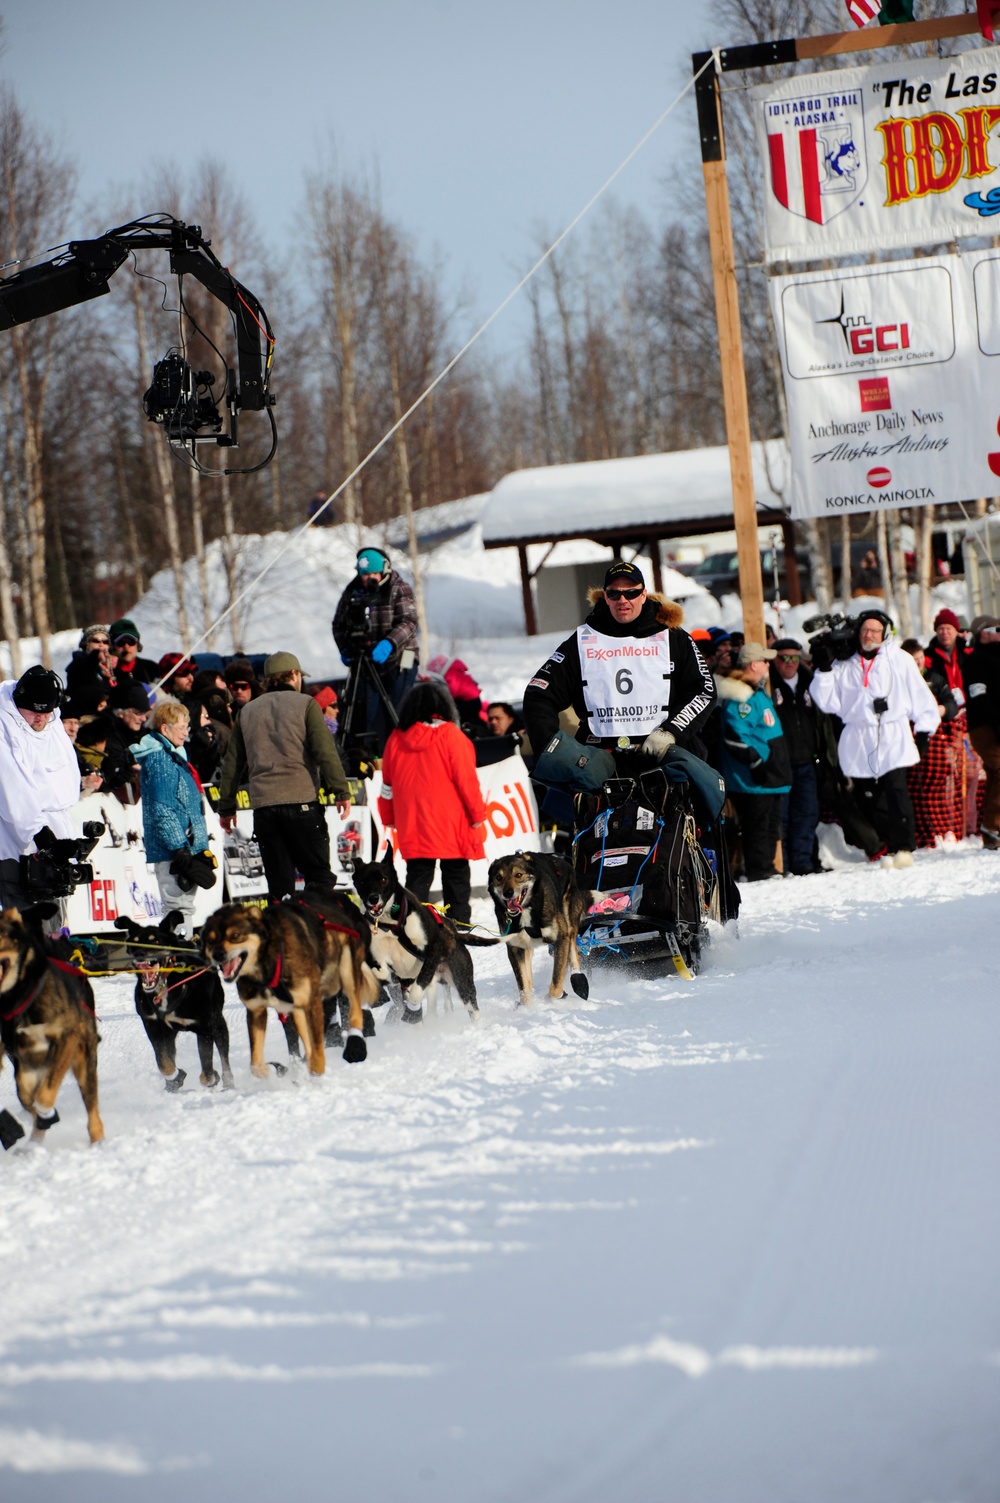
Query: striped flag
(863, 11)
(795, 172)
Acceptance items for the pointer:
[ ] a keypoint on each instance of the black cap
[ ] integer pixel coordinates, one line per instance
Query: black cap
(123, 628)
(628, 572)
(787, 644)
(129, 697)
(38, 689)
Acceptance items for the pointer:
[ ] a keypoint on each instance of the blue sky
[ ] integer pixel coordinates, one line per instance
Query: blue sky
(483, 120)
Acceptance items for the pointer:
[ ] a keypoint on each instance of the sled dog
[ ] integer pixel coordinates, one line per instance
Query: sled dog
(414, 941)
(47, 1025)
(171, 995)
(289, 956)
(537, 902)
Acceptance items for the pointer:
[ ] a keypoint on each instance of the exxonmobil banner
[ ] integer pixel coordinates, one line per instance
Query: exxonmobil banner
(892, 381)
(895, 155)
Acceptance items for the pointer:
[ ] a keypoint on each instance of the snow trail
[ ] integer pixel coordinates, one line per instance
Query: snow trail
(725, 1241)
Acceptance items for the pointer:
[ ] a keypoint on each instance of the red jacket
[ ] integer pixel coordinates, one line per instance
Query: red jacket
(431, 793)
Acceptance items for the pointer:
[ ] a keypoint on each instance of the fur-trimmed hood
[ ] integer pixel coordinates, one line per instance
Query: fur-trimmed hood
(733, 688)
(669, 614)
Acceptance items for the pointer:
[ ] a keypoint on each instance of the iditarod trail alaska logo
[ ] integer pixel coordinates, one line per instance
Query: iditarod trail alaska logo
(816, 146)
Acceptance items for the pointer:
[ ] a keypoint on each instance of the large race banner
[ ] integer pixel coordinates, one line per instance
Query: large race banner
(878, 158)
(892, 392)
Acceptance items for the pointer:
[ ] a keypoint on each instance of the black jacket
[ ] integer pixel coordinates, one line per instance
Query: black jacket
(558, 683)
(798, 716)
(981, 672)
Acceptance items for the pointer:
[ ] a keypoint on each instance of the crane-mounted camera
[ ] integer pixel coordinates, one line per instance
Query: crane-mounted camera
(180, 400)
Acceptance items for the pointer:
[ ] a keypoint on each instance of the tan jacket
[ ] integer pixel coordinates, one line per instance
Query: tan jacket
(282, 747)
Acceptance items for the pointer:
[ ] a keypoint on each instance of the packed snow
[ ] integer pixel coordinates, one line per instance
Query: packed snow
(727, 1239)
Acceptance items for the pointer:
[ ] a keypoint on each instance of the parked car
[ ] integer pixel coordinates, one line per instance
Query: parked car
(720, 574)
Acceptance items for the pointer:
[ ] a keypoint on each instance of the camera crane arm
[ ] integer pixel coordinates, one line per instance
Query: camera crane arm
(82, 271)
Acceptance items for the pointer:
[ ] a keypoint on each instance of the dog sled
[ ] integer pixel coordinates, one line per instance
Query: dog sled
(651, 848)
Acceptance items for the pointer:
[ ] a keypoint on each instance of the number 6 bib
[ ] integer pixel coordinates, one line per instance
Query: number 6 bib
(626, 682)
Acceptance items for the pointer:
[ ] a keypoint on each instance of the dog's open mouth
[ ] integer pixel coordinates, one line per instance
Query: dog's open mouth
(149, 975)
(374, 907)
(231, 968)
(514, 906)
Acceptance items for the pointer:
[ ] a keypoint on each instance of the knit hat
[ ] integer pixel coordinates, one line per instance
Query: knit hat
(325, 698)
(717, 634)
(372, 561)
(92, 631)
(945, 617)
(627, 572)
(38, 689)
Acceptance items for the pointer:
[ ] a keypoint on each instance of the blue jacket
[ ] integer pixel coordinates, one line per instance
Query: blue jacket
(749, 718)
(172, 817)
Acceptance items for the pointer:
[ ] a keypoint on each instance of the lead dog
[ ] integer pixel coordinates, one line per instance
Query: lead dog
(290, 956)
(537, 902)
(47, 1026)
(173, 992)
(413, 940)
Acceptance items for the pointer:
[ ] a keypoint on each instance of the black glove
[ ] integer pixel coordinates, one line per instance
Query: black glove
(922, 739)
(743, 753)
(822, 656)
(180, 867)
(193, 869)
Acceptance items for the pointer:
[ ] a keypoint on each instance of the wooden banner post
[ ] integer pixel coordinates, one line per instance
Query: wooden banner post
(720, 234)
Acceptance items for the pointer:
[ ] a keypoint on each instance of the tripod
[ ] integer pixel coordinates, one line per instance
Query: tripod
(363, 671)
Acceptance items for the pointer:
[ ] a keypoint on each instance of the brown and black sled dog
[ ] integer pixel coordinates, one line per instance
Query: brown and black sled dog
(290, 956)
(537, 902)
(47, 1025)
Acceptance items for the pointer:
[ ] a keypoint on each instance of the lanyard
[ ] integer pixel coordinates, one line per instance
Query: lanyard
(866, 667)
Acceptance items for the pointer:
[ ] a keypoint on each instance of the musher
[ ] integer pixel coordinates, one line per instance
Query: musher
(634, 678)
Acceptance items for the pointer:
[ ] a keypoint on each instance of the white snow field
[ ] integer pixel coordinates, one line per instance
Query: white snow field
(733, 1240)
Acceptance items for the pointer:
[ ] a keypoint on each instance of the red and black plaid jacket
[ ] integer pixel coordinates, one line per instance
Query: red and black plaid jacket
(392, 614)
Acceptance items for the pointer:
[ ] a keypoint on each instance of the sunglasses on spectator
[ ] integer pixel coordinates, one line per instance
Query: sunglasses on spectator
(126, 641)
(623, 594)
(238, 683)
(100, 641)
(788, 657)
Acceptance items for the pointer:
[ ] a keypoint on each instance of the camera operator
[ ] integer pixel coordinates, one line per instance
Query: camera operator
(877, 691)
(376, 618)
(39, 776)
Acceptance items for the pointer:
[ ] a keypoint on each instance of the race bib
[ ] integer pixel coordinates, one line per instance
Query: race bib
(626, 682)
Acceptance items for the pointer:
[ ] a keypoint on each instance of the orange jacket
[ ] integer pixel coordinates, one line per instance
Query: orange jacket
(431, 793)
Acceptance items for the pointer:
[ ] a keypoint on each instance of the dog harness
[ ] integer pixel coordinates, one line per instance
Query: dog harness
(60, 965)
(396, 925)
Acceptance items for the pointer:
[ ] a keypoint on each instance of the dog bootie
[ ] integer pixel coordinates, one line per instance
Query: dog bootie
(369, 1022)
(176, 1080)
(580, 984)
(355, 1049)
(10, 1130)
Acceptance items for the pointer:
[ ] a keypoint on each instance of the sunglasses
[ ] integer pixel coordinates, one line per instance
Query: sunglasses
(99, 641)
(623, 594)
(126, 641)
(238, 684)
(788, 657)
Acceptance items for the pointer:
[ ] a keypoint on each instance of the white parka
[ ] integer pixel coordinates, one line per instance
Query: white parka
(39, 779)
(871, 744)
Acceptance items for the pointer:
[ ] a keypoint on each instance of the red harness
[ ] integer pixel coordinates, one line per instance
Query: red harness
(60, 965)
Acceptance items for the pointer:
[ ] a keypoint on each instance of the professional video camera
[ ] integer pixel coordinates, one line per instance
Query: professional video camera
(358, 627)
(58, 866)
(180, 400)
(837, 635)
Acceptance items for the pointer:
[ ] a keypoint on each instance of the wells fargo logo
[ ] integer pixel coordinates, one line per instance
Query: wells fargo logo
(931, 153)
